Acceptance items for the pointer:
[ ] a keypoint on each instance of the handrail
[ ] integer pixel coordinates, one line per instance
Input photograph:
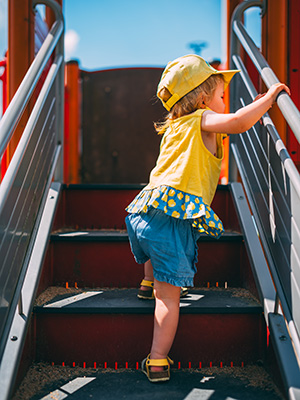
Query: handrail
(285, 103)
(17, 105)
(294, 176)
(26, 207)
(288, 108)
(272, 184)
(20, 150)
(280, 147)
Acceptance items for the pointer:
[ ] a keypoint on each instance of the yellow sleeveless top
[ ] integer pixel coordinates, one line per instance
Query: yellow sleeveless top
(185, 178)
(184, 162)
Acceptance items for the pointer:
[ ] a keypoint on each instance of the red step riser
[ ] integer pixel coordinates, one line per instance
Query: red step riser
(102, 209)
(93, 209)
(127, 338)
(111, 264)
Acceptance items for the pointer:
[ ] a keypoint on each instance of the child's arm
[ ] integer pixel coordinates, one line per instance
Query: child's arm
(245, 117)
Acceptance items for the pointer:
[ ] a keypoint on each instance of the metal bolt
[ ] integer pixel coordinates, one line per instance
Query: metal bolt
(241, 197)
(14, 338)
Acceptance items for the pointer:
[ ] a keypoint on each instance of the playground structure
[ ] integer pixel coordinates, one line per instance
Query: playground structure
(54, 223)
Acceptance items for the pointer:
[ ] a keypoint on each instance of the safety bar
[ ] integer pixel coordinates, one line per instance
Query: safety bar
(28, 195)
(5, 186)
(18, 104)
(293, 174)
(285, 103)
(272, 184)
(280, 148)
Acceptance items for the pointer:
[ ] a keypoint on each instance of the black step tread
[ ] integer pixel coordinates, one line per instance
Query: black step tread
(250, 382)
(94, 235)
(125, 301)
(117, 186)
(103, 235)
(105, 186)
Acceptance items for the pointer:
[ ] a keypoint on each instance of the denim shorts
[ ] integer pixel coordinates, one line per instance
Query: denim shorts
(170, 244)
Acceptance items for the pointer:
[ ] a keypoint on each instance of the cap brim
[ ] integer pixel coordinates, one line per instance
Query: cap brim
(228, 75)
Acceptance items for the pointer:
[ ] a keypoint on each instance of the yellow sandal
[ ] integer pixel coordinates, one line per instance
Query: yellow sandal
(157, 376)
(146, 294)
(149, 295)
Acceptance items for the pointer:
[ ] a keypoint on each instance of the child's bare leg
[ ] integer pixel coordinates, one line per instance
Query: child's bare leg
(148, 273)
(166, 315)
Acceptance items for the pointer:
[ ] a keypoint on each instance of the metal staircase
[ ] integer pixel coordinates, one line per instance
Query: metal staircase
(68, 281)
(272, 185)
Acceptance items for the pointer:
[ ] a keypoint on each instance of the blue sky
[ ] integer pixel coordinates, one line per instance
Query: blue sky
(110, 33)
(117, 33)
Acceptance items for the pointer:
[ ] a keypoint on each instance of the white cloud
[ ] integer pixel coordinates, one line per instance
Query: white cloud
(71, 43)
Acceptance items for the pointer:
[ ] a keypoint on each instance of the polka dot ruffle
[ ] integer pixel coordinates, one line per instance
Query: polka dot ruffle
(179, 204)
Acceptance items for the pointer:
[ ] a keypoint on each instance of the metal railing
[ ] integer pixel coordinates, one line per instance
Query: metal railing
(270, 178)
(25, 186)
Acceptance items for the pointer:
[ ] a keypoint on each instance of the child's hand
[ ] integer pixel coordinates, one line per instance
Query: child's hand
(275, 89)
(259, 96)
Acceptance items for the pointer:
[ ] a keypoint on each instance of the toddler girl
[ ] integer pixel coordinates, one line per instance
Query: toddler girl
(167, 216)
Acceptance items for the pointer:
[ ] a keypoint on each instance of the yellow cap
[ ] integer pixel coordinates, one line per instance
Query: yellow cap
(184, 74)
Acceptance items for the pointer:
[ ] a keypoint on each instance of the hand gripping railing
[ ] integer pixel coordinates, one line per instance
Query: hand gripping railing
(24, 192)
(272, 185)
(285, 103)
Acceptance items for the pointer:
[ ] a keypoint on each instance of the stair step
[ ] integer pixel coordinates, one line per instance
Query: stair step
(95, 206)
(48, 382)
(117, 235)
(115, 326)
(125, 301)
(103, 206)
(101, 235)
(103, 258)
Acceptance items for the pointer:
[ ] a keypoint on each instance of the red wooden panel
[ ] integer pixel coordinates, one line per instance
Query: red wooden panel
(127, 338)
(119, 142)
(97, 208)
(111, 264)
(95, 265)
(93, 208)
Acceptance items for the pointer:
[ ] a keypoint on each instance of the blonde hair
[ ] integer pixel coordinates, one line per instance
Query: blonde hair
(189, 103)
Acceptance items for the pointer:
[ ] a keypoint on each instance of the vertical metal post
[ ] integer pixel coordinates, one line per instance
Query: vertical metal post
(235, 49)
(56, 8)
(20, 56)
(59, 173)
